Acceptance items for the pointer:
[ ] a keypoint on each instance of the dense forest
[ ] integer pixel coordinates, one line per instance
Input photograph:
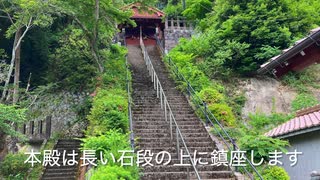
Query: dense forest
(70, 47)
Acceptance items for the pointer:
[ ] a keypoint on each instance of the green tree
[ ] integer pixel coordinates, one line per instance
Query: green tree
(10, 115)
(197, 9)
(98, 19)
(241, 35)
(23, 16)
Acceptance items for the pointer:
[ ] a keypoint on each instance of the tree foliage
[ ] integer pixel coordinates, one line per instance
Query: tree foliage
(13, 167)
(10, 115)
(241, 35)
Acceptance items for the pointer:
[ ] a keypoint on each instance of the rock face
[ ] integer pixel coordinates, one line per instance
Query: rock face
(266, 95)
(153, 131)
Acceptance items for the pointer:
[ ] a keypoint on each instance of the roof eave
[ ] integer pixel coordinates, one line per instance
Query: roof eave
(290, 53)
(299, 132)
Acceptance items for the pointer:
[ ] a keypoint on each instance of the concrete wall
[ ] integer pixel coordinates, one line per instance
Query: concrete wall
(309, 145)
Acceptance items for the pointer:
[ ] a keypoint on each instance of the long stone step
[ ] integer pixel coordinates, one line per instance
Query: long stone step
(63, 172)
(184, 175)
(177, 168)
(157, 122)
(153, 132)
(182, 127)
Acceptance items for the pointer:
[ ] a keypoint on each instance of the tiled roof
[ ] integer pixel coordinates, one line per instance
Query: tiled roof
(305, 119)
(148, 13)
(313, 31)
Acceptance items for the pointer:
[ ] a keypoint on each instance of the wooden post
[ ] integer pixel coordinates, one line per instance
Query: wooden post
(172, 23)
(31, 127)
(40, 126)
(24, 130)
(178, 23)
(166, 23)
(48, 127)
(141, 32)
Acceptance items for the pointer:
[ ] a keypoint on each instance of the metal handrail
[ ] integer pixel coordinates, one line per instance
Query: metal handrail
(128, 85)
(165, 105)
(203, 107)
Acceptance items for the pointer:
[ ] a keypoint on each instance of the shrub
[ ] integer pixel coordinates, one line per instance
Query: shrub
(69, 64)
(109, 111)
(115, 68)
(114, 172)
(111, 141)
(261, 122)
(275, 173)
(13, 166)
(196, 77)
(223, 113)
(261, 145)
(303, 100)
(211, 96)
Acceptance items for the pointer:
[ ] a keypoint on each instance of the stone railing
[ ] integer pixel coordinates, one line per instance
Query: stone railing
(178, 23)
(37, 131)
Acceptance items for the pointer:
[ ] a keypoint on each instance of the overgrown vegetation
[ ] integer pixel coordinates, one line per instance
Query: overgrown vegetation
(274, 172)
(108, 119)
(238, 36)
(68, 44)
(10, 115)
(303, 82)
(13, 167)
(232, 40)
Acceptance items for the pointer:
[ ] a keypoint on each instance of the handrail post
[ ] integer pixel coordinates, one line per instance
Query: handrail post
(171, 136)
(161, 99)
(188, 173)
(165, 109)
(188, 89)
(158, 89)
(233, 141)
(206, 113)
(178, 145)
(154, 79)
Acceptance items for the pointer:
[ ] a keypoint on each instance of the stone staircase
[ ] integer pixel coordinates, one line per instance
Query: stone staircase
(64, 172)
(153, 131)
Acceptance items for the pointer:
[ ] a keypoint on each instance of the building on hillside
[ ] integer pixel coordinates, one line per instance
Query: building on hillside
(148, 23)
(304, 53)
(303, 134)
(152, 22)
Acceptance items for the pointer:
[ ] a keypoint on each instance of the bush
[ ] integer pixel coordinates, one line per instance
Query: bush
(211, 96)
(275, 173)
(69, 64)
(261, 145)
(114, 172)
(109, 111)
(115, 68)
(223, 113)
(13, 166)
(303, 100)
(111, 141)
(196, 77)
(261, 122)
